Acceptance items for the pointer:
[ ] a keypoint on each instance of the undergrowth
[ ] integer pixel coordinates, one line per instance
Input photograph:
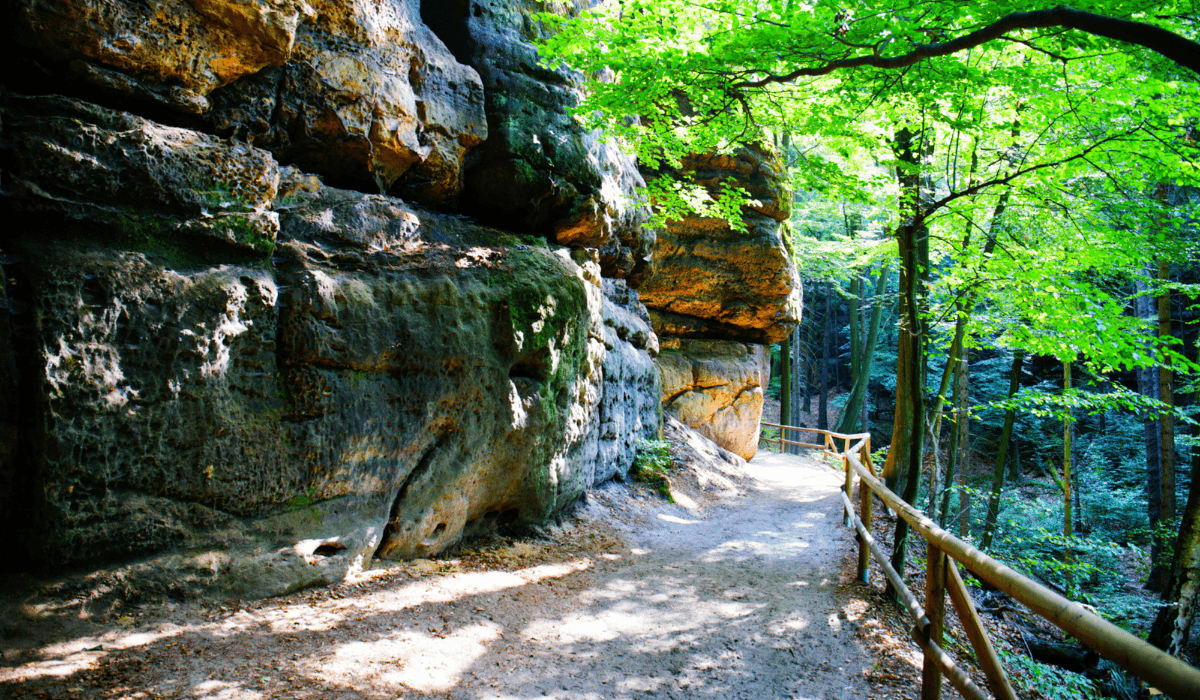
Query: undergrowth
(652, 464)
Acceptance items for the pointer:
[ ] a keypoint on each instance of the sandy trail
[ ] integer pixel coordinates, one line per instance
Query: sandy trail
(637, 598)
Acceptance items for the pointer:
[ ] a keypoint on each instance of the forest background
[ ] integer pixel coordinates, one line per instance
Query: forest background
(997, 217)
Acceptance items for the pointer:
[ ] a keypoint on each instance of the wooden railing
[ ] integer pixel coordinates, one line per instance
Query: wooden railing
(1161, 670)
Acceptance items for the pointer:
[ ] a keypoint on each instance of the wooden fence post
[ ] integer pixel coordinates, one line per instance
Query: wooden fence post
(864, 551)
(848, 487)
(935, 610)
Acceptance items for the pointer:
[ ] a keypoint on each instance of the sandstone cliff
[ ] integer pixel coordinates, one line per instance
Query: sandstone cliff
(291, 285)
(718, 296)
(236, 342)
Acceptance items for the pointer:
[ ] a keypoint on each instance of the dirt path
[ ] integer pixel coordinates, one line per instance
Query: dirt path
(636, 598)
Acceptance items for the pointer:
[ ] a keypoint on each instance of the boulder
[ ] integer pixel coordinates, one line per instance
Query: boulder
(173, 52)
(362, 92)
(715, 387)
(539, 170)
(370, 98)
(712, 281)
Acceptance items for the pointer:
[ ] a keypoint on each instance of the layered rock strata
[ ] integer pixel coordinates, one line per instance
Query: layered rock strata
(385, 381)
(362, 92)
(716, 387)
(719, 295)
(539, 167)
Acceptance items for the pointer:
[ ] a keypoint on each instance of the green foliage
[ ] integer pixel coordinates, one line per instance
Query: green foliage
(652, 466)
(1036, 679)
(1038, 166)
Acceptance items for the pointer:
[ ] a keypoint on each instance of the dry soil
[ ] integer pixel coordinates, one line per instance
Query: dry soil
(742, 596)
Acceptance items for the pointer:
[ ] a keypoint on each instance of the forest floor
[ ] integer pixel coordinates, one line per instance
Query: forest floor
(742, 589)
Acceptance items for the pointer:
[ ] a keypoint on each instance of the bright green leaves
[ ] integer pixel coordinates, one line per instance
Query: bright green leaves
(670, 199)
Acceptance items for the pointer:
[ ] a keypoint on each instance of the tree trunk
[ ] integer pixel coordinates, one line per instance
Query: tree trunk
(1149, 386)
(1014, 473)
(911, 365)
(856, 401)
(1166, 394)
(823, 373)
(963, 443)
(912, 237)
(1066, 486)
(1010, 415)
(785, 387)
(952, 459)
(853, 302)
(1173, 624)
(797, 382)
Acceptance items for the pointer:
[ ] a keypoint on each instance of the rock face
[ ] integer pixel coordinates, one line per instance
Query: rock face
(711, 281)
(369, 98)
(716, 388)
(538, 166)
(387, 380)
(135, 178)
(173, 52)
(363, 93)
(718, 296)
(237, 361)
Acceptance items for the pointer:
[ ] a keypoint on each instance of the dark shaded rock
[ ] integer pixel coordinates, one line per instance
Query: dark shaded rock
(388, 381)
(139, 179)
(370, 98)
(539, 171)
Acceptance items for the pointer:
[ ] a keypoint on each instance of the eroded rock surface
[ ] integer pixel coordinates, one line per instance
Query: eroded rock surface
(386, 381)
(711, 281)
(369, 98)
(718, 296)
(135, 178)
(716, 388)
(363, 93)
(539, 169)
(174, 52)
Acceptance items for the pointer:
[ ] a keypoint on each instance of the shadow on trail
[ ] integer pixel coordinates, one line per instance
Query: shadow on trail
(725, 607)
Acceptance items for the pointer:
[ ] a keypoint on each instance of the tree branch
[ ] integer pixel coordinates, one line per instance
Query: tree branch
(1179, 49)
(974, 189)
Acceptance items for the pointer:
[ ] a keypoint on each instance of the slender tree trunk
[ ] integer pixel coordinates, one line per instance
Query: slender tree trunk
(1149, 386)
(806, 379)
(856, 401)
(797, 382)
(963, 444)
(1010, 415)
(1068, 529)
(785, 386)
(853, 302)
(1014, 474)
(1166, 394)
(952, 460)
(823, 373)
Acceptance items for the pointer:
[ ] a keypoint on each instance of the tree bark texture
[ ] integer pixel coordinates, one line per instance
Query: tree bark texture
(1010, 415)
(856, 401)
(1149, 385)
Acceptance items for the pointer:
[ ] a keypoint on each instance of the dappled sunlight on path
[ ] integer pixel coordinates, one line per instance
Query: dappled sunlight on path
(640, 599)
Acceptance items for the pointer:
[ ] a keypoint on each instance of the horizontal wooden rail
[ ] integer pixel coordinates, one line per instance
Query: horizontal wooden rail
(1161, 670)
